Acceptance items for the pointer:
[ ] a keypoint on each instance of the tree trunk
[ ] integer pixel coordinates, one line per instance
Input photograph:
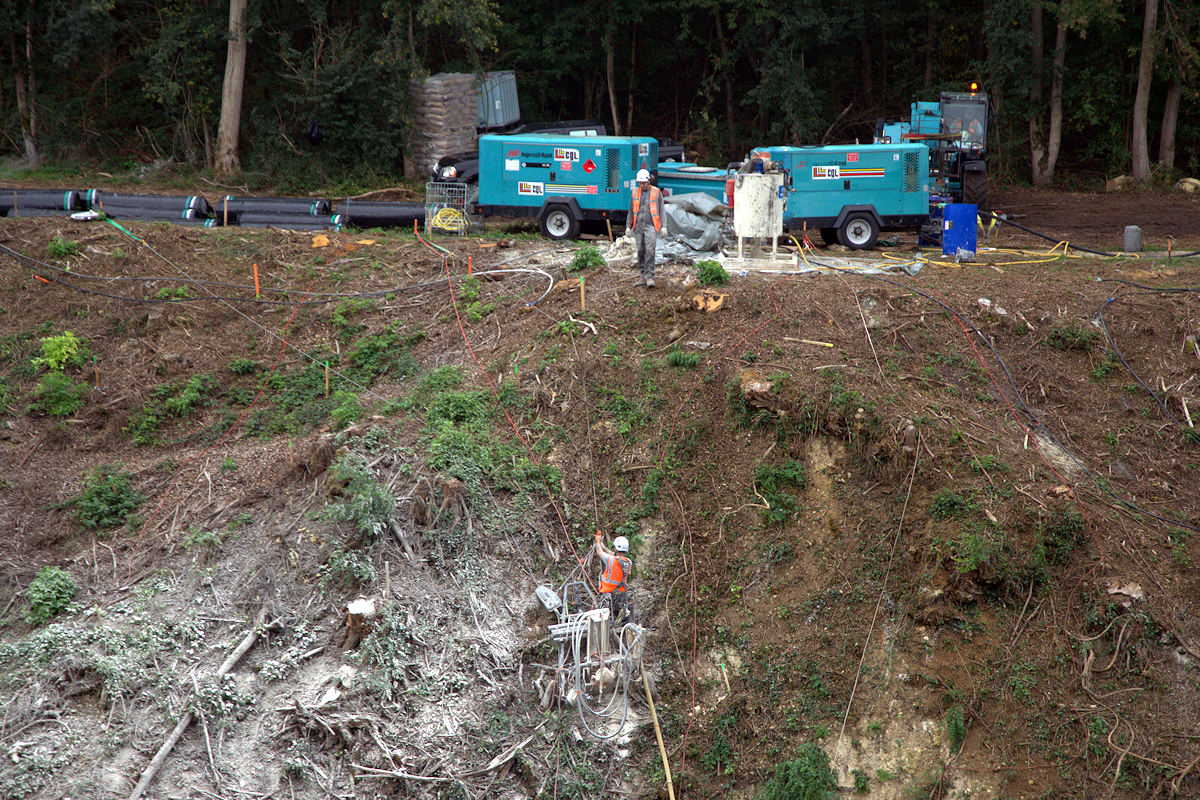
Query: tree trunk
(632, 73)
(1166, 141)
(208, 145)
(227, 162)
(865, 48)
(1139, 146)
(1037, 141)
(612, 81)
(930, 43)
(26, 89)
(585, 81)
(1056, 98)
(726, 71)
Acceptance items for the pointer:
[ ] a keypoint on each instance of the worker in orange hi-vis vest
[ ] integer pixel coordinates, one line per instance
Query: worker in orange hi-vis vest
(615, 572)
(644, 221)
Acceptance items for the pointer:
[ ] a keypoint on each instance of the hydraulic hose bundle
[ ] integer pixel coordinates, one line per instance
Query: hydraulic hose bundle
(595, 664)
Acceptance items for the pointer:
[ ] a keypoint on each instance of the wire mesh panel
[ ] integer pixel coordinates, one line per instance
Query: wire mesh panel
(448, 208)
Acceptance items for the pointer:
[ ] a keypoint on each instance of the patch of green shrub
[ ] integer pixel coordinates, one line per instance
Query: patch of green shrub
(181, 398)
(348, 308)
(588, 256)
(49, 593)
(1101, 371)
(774, 483)
(369, 506)
(678, 358)
(476, 311)
(347, 569)
(711, 273)
(387, 653)
(956, 728)
(441, 379)
(169, 400)
(243, 366)
(107, 500)
(862, 781)
(62, 351)
(459, 407)
(347, 409)
(58, 247)
(809, 776)
(1060, 535)
(57, 395)
(948, 503)
(1072, 336)
(720, 756)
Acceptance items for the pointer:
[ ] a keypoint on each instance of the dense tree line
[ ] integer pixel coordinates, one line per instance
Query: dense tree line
(1080, 88)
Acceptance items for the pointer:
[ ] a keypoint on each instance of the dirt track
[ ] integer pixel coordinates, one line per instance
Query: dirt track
(1098, 220)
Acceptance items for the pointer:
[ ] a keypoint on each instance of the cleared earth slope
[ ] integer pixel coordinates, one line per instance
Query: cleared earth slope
(900, 536)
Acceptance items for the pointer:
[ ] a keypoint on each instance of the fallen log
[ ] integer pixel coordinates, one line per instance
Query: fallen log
(161, 756)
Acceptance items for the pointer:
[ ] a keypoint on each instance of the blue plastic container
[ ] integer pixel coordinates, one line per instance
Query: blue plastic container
(958, 227)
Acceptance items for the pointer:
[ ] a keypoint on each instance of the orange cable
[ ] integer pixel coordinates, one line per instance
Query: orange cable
(496, 395)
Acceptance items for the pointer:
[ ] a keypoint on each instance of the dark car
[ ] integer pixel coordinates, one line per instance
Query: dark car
(464, 167)
(669, 150)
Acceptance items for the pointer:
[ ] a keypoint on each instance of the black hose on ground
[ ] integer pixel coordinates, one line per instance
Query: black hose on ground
(1036, 421)
(1006, 221)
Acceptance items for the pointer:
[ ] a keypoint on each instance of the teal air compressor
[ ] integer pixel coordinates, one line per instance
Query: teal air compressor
(564, 181)
(851, 192)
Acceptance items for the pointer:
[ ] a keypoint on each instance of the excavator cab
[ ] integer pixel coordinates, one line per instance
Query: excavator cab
(962, 151)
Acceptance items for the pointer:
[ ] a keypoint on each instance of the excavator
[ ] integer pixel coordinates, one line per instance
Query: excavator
(956, 131)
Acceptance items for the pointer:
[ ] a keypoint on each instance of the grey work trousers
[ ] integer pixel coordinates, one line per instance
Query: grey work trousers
(647, 239)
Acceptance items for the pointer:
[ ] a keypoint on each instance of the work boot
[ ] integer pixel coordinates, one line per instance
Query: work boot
(640, 282)
(649, 283)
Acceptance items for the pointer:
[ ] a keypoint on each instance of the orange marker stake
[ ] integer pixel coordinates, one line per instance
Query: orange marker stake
(327, 379)
(468, 265)
(582, 296)
(257, 293)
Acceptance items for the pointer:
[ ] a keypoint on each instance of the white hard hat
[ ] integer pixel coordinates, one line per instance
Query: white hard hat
(621, 543)
(643, 175)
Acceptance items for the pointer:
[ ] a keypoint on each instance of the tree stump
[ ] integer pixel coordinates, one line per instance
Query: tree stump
(360, 619)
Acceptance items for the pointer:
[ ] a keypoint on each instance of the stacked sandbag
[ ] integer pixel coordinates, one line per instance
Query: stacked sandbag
(380, 214)
(289, 213)
(40, 202)
(445, 107)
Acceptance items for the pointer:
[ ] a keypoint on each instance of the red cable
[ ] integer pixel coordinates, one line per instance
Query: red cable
(996, 384)
(278, 358)
(496, 395)
(691, 547)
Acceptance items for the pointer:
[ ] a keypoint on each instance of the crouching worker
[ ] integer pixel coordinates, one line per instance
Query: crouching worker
(616, 569)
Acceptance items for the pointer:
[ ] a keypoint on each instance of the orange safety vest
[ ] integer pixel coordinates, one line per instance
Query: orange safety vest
(655, 203)
(612, 578)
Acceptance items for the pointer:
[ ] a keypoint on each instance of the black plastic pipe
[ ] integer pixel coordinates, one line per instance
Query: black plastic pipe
(172, 202)
(272, 205)
(291, 222)
(380, 214)
(25, 211)
(152, 214)
(64, 200)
